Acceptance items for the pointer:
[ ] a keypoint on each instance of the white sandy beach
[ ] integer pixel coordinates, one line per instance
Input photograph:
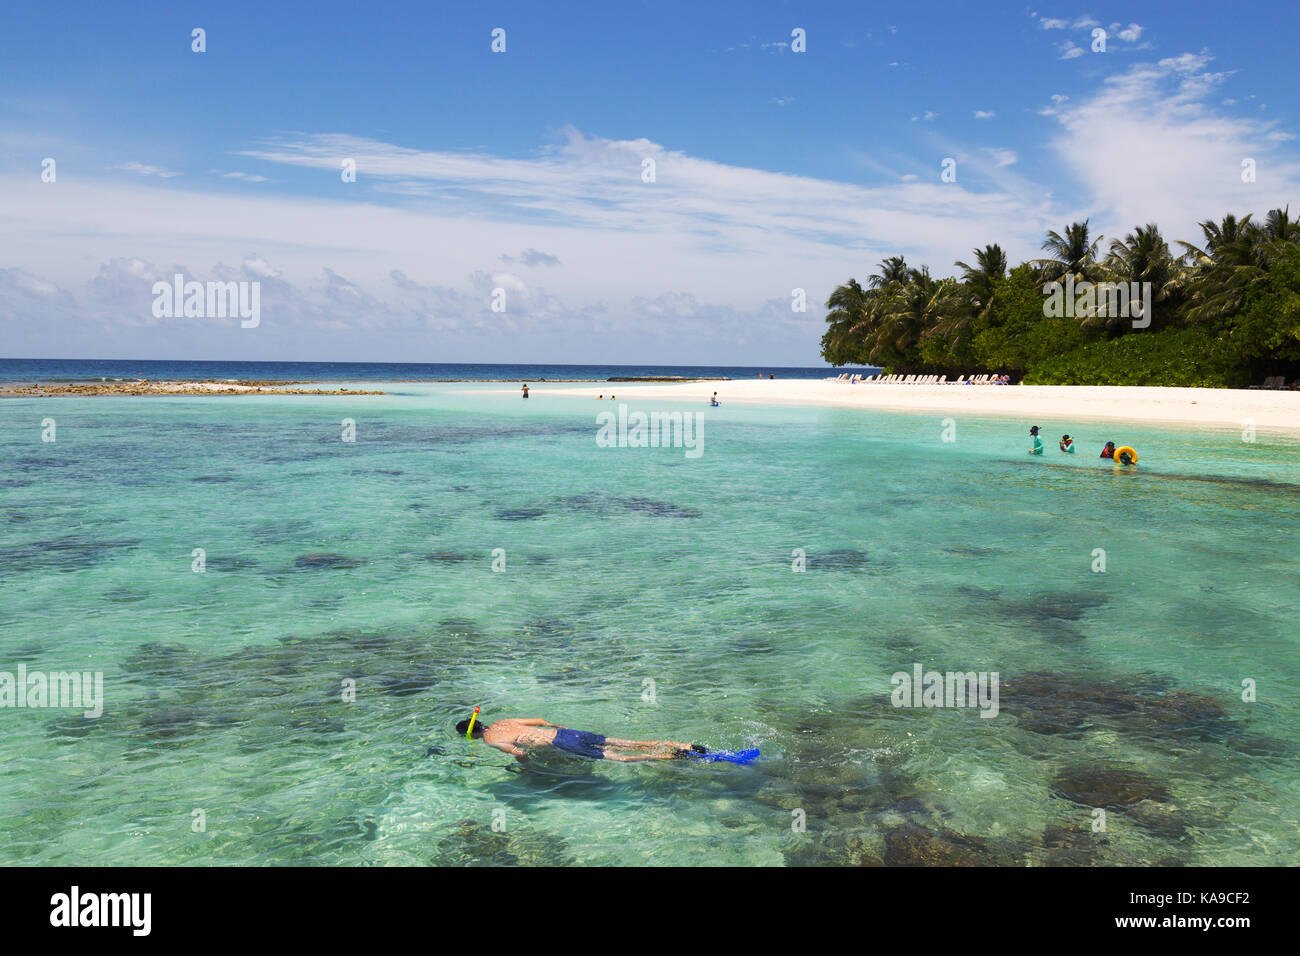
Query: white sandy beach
(1211, 407)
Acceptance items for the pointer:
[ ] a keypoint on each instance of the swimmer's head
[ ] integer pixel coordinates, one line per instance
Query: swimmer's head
(464, 726)
(1033, 430)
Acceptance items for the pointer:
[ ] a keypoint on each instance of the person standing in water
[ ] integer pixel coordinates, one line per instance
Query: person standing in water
(525, 389)
(1038, 442)
(1067, 444)
(714, 400)
(1109, 450)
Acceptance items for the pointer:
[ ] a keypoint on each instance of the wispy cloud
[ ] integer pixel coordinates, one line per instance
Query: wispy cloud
(240, 176)
(532, 257)
(1150, 147)
(146, 170)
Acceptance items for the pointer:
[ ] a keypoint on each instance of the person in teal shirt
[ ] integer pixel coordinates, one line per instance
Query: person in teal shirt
(1067, 444)
(1038, 442)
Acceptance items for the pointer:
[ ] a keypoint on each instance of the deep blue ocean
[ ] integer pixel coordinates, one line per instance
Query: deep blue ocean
(91, 370)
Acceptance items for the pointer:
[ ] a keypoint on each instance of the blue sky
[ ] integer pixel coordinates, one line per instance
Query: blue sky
(521, 170)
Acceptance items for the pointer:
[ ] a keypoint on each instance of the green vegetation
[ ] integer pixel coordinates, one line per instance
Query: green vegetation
(1224, 313)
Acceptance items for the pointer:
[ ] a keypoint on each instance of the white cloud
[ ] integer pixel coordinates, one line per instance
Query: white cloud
(1149, 147)
(985, 114)
(732, 239)
(1069, 50)
(144, 170)
(1049, 23)
(532, 257)
(1129, 34)
(242, 177)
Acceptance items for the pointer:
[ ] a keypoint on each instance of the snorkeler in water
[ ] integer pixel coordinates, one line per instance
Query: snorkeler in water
(1038, 442)
(1109, 450)
(1067, 444)
(517, 736)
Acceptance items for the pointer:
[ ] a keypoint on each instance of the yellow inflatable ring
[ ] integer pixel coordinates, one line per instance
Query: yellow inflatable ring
(1123, 450)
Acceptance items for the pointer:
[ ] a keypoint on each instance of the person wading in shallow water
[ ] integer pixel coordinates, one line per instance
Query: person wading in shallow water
(525, 389)
(517, 736)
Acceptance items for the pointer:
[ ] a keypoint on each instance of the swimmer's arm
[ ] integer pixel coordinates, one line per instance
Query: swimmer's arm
(512, 750)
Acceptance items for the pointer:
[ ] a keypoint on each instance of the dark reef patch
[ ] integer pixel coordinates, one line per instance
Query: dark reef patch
(69, 553)
(474, 843)
(1072, 845)
(1110, 788)
(912, 845)
(1068, 704)
(520, 514)
(221, 562)
(658, 509)
(611, 505)
(446, 557)
(840, 559)
(327, 560)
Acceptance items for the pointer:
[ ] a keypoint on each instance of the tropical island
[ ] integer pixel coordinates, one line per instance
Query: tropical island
(1221, 313)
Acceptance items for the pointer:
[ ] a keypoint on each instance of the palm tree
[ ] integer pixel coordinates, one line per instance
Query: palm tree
(972, 298)
(848, 306)
(891, 270)
(990, 266)
(911, 309)
(1071, 255)
(1231, 259)
(1278, 225)
(1220, 238)
(1142, 256)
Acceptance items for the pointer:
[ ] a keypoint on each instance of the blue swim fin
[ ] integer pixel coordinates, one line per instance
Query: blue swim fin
(724, 756)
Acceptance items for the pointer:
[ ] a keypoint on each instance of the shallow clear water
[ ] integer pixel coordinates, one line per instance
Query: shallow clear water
(624, 567)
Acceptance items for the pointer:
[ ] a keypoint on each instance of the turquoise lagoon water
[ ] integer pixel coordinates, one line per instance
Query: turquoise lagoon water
(645, 594)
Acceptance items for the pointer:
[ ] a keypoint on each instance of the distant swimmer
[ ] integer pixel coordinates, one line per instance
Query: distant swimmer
(1038, 442)
(714, 400)
(525, 389)
(1067, 444)
(600, 398)
(1109, 450)
(517, 737)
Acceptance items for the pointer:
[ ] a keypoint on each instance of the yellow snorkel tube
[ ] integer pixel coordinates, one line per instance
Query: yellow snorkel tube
(469, 731)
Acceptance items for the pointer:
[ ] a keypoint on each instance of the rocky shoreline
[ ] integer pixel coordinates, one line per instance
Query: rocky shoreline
(146, 387)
